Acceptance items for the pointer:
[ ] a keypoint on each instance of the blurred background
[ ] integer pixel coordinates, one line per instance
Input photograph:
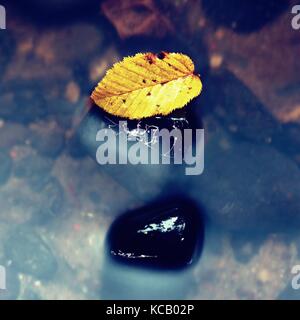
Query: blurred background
(56, 203)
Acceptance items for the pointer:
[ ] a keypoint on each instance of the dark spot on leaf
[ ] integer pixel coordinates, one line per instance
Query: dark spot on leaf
(144, 81)
(154, 80)
(149, 94)
(162, 55)
(150, 57)
(124, 100)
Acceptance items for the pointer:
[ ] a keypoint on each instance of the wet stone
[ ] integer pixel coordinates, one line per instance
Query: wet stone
(35, 169)
(49, 143)
(51, 202)
(5, 167)
(167, 235)
(29, 254)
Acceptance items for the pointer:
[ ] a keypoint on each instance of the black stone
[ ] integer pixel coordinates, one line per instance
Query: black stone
(29, 254)
(167, 234)
(243, 16)
(180, 119)
(145, 181)
(5, 167)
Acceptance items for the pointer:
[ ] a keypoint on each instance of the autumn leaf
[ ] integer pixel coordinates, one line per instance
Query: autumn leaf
(146, 85)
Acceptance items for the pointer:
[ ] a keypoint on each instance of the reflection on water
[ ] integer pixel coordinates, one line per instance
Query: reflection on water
(57, 204)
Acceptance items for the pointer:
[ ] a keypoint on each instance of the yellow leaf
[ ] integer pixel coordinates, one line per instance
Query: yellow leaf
(146, 85)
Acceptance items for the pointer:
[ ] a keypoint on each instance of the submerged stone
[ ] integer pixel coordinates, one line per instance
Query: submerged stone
(243, 16)
(166, 234)
(7, 48)
(29, 95)
(5, 167)
(35, 169)
(29, 254)
(246, 186)
(51, 202)
(48, 142)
